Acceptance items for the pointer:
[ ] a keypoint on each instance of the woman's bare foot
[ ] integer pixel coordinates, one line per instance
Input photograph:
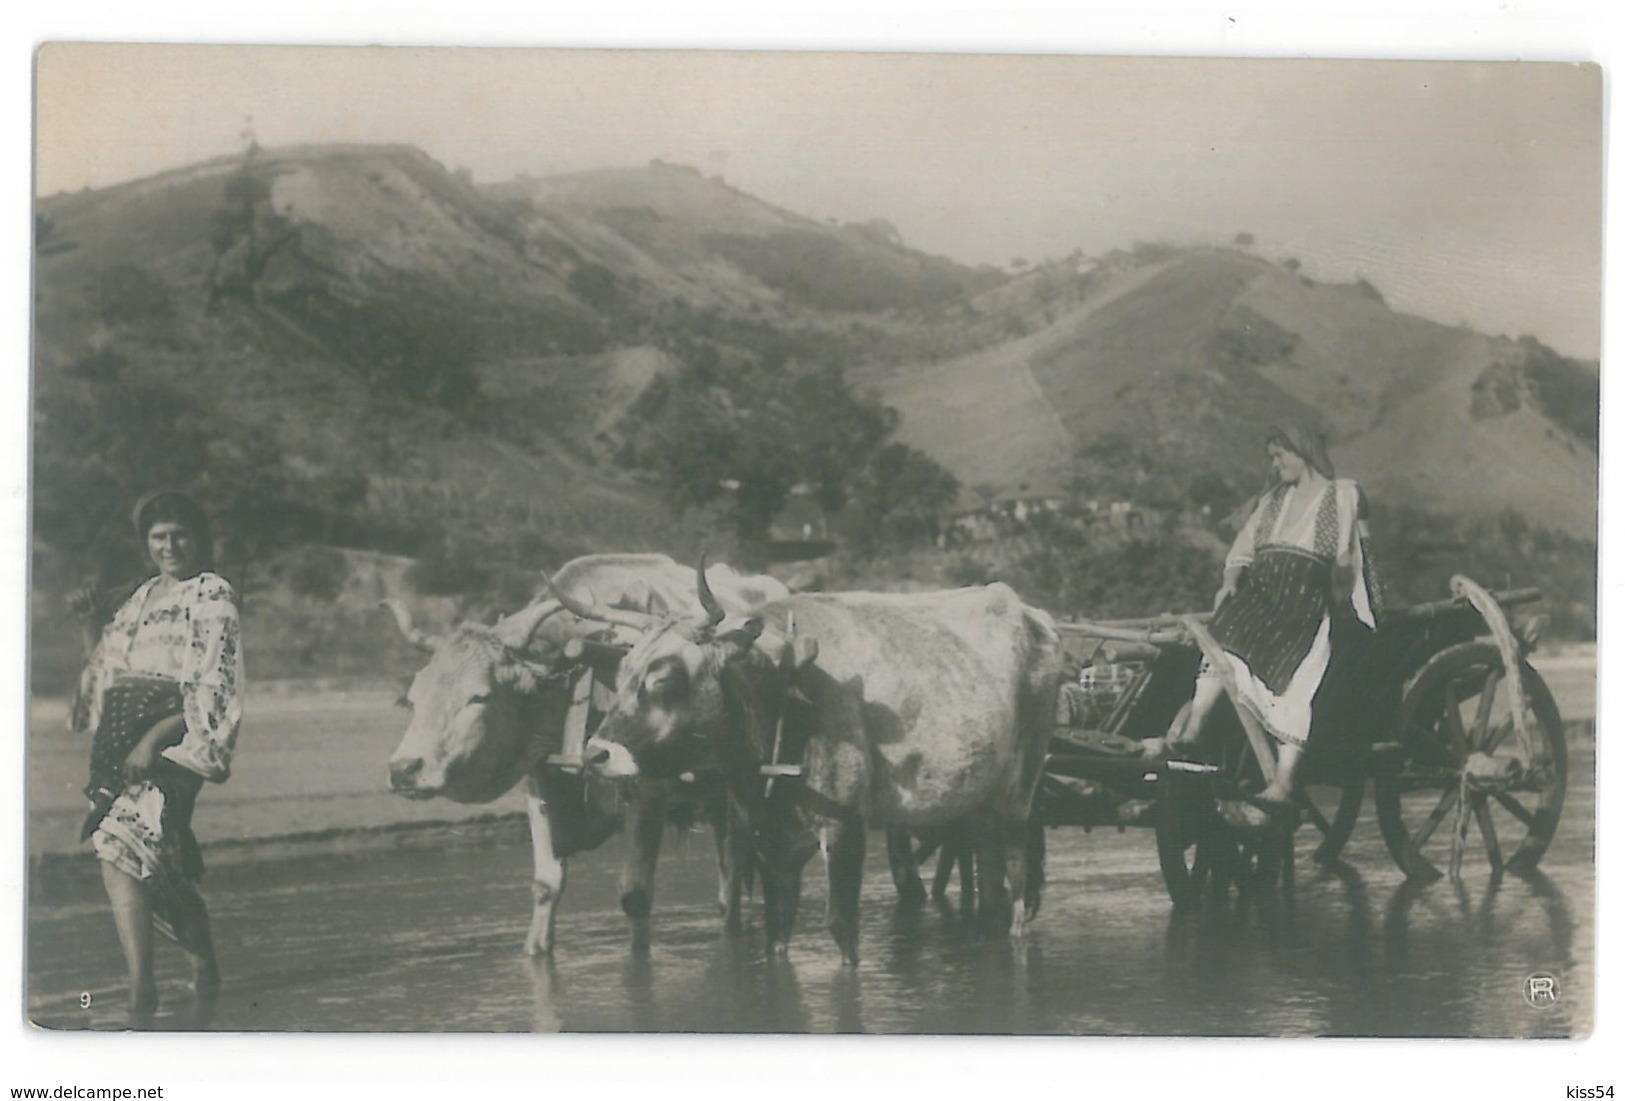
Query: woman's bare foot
(205, 994)
(143, 1008)
(1274, 794)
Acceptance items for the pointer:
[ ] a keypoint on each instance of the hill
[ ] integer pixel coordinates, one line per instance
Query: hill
(1183, 358)
(356, 347)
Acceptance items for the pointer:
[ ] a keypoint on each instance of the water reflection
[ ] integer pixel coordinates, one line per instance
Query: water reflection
(787, 1011)
(545, 1013)
(846, 999)
(1468, 956)
(638, 988)
(1350, 950)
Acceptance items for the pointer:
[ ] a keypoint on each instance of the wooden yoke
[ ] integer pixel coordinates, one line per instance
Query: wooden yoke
(1256, 738)
(573, 755)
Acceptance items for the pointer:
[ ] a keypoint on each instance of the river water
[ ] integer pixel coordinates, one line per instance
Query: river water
(426, 937)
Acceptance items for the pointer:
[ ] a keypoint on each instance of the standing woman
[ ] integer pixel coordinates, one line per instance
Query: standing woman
(163, 693)
(1299, 563)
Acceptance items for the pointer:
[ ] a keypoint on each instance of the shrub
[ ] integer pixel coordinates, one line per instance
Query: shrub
(315, 570)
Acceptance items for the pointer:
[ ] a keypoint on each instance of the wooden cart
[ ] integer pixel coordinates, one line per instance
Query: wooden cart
(1438, 712)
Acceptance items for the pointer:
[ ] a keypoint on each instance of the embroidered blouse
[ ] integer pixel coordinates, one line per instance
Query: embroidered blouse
(188, 634)
(1332, 528)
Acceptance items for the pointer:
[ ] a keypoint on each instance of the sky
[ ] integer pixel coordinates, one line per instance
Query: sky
(1466, 192)
(1493, 211)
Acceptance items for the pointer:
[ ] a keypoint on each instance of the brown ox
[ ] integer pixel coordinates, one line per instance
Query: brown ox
(911, 711)
(491, 706)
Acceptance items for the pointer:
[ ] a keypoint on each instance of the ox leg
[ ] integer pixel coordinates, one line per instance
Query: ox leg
(734, 866)
(993, 909)
(905, 869)
(547, 878)
(948, 856)
(843, 853)
(1033, 895)
(1016, 868)
(965, 849)
(781, 899)
(648, 822)
(787, 843)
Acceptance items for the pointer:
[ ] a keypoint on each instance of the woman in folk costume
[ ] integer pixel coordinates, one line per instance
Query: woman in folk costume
(1300, 560)
(162, 691)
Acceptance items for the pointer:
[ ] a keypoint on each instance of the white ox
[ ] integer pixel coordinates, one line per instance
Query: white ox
(912, 712)
(492, 704)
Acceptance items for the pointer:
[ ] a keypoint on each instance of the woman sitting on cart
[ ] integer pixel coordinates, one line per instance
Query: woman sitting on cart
(1299, 561)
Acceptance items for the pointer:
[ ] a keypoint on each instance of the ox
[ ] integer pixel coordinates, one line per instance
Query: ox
(912, 712)
(491, 707)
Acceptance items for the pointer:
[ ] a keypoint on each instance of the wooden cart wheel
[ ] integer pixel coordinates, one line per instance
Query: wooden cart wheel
(1196, 848)
(1332, 807)
(1193, 847)
(1461, 767)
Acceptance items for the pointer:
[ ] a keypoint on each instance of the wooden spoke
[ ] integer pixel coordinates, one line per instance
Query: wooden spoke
(1486, 826)
(1452, 718)
(1517, 814)
(1486, 704)
(1425, 831)
(1514, 808)
(1315, 817)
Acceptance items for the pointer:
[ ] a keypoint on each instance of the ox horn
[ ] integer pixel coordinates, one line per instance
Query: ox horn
(636, 621)
(403, 620)
(708, 600)
(518, 629)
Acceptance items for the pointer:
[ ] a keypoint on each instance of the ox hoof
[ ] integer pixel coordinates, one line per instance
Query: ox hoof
(911, 894)
(996, 916)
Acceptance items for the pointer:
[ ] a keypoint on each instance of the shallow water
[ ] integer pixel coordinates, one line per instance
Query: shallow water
(428, 939)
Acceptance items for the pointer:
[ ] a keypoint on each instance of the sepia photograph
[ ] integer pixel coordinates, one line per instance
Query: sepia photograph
(908, 544)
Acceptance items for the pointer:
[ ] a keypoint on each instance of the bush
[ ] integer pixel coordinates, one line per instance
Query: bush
(314, 570)
(449, 568)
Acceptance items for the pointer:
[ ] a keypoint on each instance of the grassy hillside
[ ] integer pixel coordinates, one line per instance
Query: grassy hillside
(352, 351)
(1183, 359)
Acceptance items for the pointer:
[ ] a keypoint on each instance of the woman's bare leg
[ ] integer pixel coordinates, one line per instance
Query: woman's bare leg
(1187, 725)
(1208, 691)
(1280, 789)
(205, 977)
(132, 914)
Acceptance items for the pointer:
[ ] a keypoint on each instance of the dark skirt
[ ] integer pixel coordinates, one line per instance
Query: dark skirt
(1272, 619)
(130, 708)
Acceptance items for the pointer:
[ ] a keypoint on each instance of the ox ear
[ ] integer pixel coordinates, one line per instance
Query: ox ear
(741, 632)
(797, 653)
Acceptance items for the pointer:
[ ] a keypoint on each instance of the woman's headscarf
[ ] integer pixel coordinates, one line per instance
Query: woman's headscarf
(1307, 443)
(170, 506)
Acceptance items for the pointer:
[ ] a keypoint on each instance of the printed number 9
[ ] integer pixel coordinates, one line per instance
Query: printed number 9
(84, 1000)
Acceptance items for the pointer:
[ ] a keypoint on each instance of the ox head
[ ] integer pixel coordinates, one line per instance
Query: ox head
(487, 707)
(701, 692)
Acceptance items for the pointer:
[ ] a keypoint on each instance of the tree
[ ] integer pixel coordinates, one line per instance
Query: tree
(740, 437)
(245, 231)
